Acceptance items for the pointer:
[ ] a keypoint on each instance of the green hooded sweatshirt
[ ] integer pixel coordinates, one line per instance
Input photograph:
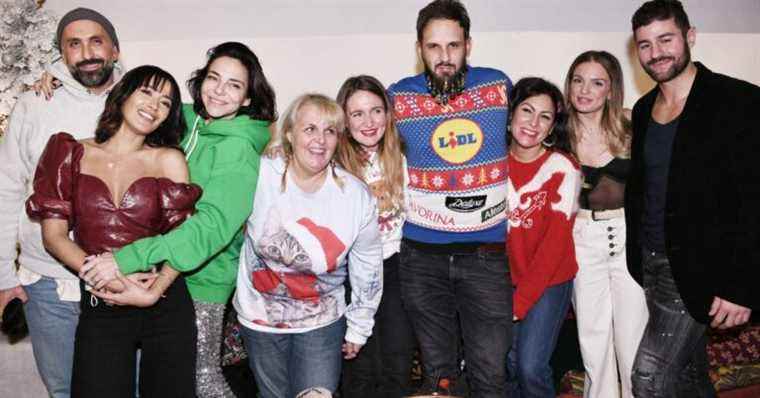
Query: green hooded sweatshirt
(223, 158)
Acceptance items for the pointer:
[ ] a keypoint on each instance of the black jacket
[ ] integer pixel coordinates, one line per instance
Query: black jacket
(712, 211)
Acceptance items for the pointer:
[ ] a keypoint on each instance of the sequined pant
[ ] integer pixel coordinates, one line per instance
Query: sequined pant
(210, 382)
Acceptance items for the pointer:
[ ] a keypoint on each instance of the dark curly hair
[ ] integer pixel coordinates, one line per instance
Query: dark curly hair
(262, 106)
(168, 133)
(532, 86)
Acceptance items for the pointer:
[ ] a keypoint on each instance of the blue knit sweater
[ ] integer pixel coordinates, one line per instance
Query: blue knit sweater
(456, 157)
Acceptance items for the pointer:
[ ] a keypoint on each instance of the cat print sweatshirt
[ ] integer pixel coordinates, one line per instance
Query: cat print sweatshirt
(300, 247)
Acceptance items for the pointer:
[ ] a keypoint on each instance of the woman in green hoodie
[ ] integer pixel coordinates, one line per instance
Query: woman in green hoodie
(228, 129)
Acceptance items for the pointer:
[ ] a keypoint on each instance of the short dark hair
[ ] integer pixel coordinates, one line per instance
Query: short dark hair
(661, 10)
(443, 9)
(529, 87)
(168, 133)
(262, 106)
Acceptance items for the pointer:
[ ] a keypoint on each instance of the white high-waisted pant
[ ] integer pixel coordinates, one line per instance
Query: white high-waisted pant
(609, 305)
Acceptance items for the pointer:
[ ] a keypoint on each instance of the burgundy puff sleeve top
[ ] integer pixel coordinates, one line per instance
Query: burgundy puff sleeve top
(150, 205)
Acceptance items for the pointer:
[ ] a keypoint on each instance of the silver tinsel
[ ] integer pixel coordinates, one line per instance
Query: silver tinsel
(210, 382)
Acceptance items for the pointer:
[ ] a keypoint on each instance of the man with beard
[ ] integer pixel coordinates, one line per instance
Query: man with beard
(691, 204)
(453, 268)
(89, 49)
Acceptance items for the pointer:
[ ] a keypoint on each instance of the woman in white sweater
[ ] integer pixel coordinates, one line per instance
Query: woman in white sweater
(313, 224)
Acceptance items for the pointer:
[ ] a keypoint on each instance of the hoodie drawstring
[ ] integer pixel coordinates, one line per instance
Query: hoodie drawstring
(193, 141)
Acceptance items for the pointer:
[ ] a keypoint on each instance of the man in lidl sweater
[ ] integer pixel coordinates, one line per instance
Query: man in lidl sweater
(453, 269)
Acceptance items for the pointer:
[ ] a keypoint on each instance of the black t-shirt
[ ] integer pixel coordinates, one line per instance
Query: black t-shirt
(658, 148)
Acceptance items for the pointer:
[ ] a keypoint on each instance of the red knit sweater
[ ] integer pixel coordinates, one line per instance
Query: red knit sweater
(543, 200)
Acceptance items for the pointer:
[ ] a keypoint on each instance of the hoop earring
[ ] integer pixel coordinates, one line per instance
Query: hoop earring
(549, 144)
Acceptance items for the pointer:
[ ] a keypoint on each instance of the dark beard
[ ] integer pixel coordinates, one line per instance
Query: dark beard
(444, 89)
(95, 78)
(676, 68)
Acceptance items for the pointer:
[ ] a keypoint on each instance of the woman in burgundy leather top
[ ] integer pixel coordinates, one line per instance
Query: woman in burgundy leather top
(127, 183)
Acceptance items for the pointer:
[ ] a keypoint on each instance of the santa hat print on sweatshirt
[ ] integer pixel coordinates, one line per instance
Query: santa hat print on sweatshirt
(322, 245)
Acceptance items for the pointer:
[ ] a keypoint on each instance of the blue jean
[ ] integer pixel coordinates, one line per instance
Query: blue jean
(672, 357)
(535, 337)
(52, 327)
(288, 363)
(446, 291)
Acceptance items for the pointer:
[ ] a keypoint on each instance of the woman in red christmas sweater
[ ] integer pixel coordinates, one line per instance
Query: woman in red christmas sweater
(542, 195)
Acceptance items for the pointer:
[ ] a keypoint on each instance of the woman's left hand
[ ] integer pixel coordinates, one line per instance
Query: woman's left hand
(133, 294)
(98, 270)
(350, 350)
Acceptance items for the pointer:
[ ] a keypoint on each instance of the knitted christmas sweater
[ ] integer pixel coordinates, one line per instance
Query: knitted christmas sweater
(543, 202)
(456, 158)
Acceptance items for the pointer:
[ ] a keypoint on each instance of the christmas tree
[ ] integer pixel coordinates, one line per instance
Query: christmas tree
(27, 34)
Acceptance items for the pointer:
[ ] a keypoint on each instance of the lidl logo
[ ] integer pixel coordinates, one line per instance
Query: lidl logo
(457, 140)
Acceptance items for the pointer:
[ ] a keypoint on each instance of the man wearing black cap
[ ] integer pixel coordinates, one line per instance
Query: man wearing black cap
(88, 68)
(89, 47)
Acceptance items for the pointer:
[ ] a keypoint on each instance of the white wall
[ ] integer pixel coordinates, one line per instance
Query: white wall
(299, 64)
(314, 46)
(178, 19)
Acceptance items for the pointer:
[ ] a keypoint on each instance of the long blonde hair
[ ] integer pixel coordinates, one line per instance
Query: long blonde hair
(351, 156)
(329, 109)
(615, 125)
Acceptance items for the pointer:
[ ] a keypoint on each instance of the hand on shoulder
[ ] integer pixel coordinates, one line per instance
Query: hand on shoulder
(46, 85)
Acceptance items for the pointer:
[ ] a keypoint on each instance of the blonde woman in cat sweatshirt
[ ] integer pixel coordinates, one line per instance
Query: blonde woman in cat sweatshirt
(313, 224)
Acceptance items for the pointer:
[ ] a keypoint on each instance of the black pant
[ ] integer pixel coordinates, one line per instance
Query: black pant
(672, 358)
(454, 292)
(108, 337)
(383, 367)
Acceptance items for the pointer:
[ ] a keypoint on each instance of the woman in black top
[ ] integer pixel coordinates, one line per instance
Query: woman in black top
(610, 307)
